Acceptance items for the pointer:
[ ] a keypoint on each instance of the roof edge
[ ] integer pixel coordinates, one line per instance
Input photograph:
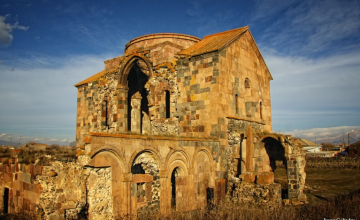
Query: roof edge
(210, 35)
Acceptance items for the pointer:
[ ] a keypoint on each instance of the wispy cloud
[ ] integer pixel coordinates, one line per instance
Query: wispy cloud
(309, 26)
(6, 30)
(308, 92)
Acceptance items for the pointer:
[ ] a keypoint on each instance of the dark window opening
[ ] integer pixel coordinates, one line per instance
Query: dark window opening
(167, 103)
(6, 201)
(210, 196)
(247, 83)
(173, 188)
(261, 110)
(136, 82)
(236, 104)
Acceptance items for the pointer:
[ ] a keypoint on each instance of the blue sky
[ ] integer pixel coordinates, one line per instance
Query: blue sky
(312, 49)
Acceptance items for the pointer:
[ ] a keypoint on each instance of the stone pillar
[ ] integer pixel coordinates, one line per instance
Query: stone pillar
(146, 126)
(296, 176)
(249, 150)
(122, 107)
(292, 174)
(136, 113)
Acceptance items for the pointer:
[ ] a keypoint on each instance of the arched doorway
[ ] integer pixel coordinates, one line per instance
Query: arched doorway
(145, 188)
(175, 173)
(176, 177)
(105, 199)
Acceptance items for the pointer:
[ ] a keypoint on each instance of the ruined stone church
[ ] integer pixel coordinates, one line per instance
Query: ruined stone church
(178, 122)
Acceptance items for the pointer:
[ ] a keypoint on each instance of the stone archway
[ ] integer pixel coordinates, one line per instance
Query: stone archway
(133, 96)
(271, 153)
(105, 184)
(273, 148)
(145, 187)
(204, 184)
(176, 174)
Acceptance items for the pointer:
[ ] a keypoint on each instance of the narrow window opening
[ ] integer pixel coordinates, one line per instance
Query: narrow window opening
(261, 116)
(247, 83)
(174, 174)
(6, 201)
(167, 103)
(236, 104)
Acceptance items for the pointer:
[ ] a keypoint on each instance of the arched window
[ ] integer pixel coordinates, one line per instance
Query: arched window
(167, 103)
(247, 83)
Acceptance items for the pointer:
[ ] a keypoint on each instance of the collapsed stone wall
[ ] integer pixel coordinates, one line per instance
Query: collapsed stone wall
(61, 190)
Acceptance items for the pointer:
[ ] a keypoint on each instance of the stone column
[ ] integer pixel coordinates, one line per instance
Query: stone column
(249, 150)
(296, 176)
(136, 113)
(292, 175)
(122, 107)
(146, 126)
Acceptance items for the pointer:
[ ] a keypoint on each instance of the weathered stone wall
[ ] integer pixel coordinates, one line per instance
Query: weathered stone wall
(99, 195)
(63, 190)
(23, 188)
(257, 194)
(59, 191)
(240, 61)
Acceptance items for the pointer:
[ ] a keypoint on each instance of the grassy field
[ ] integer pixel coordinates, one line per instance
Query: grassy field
(324, 183)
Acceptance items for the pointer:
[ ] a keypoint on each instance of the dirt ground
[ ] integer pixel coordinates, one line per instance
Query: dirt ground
(323, 183)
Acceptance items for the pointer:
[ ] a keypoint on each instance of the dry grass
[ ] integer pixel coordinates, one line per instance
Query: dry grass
(345, 206)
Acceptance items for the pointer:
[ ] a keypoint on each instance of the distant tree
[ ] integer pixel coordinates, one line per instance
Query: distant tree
(73, 144)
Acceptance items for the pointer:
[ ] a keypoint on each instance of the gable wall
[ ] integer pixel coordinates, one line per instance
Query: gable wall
(238, 62)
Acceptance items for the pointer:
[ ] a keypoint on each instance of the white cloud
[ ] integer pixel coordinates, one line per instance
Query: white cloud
(6, 30)
(42, 95)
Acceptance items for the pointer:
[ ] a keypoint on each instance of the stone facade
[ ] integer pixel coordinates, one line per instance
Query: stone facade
(172, 125)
